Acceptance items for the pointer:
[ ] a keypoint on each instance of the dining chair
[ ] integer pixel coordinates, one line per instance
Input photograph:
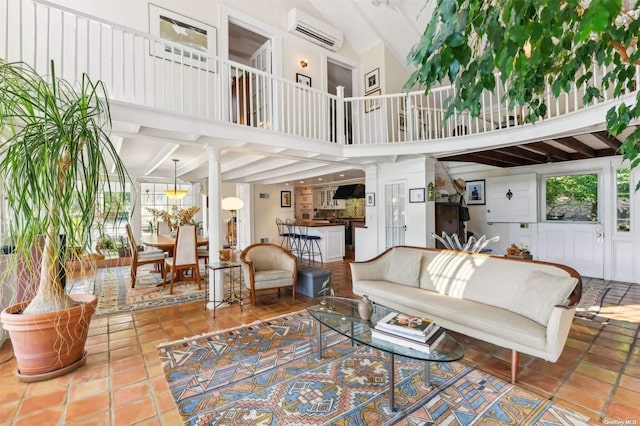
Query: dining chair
(139, 258)
(164, 228)
(185, 255)
(203, 253)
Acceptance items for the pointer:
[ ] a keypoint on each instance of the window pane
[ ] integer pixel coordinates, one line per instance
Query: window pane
(153, 197)
(623, 217)
(572, 198)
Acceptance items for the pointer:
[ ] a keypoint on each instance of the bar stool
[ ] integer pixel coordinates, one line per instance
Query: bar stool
(309, 243)
(295, 243)
(283, 233)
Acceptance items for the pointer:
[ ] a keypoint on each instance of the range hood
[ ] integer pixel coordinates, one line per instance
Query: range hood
(346, 192)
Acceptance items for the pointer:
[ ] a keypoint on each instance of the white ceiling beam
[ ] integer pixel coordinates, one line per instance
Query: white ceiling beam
(264, 165)
(307, 174)
(298, 167)
(239, 161)
(164, 153)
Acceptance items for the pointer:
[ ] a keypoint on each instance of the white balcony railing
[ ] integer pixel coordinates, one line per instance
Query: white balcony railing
(141, 69)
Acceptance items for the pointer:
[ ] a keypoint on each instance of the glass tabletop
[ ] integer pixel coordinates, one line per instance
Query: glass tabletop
(341, 314)
(223, 265)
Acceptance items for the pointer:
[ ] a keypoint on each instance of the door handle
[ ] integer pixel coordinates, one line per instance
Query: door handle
(599, 233)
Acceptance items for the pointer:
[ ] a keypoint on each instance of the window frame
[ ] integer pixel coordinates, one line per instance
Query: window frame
(559, 173)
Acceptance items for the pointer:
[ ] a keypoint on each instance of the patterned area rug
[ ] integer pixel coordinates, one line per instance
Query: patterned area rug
(115, 295)
(266, 374)
(593, 294)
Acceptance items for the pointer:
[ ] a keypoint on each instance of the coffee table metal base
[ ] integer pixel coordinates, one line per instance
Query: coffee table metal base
(392, 373)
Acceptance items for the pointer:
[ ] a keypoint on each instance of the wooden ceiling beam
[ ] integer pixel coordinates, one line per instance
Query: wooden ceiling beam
(525, 154)
(578, 146)
(609, 140)
(494, 155)
(472, 158)
(546, 149)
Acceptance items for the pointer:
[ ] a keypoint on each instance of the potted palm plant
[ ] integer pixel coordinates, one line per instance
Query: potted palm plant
(55, 160)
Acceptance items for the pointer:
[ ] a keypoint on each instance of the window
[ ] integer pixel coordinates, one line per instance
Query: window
(152, 197)
(623, 195)
(572, 198)
(115, 215)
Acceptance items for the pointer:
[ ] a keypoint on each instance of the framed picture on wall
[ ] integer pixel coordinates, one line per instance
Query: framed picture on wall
(416, 195)
(285, 198)
(370, 199)
(372, 80)
(188, 40)
(372, 104)
(475, 192)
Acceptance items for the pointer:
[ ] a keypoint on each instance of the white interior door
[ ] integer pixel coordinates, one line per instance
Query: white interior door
(395, 214)
(580, 246)
(261, 87)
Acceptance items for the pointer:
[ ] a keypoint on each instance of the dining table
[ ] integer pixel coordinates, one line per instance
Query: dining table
(167, 242)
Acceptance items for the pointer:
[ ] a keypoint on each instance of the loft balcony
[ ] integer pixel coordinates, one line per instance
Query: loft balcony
(166, 88)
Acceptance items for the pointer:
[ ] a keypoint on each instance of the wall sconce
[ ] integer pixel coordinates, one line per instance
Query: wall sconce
(304, 63)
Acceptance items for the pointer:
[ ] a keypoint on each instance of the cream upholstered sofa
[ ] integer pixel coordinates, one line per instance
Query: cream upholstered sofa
(522, 305)
(268, 266)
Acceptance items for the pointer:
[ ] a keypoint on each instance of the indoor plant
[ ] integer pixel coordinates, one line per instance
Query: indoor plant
(534, 45)
(55, 160)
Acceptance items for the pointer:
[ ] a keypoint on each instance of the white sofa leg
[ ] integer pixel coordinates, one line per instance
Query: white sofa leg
(515, 356)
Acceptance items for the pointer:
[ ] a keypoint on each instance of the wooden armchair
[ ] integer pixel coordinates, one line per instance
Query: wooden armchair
(268, 266)
(142, 258)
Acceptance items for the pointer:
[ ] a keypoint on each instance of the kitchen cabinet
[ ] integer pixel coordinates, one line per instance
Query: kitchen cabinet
(512, 198)
(304, 203)
(323, 199)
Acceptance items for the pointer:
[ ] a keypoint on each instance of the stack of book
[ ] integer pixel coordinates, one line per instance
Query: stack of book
(413, 332)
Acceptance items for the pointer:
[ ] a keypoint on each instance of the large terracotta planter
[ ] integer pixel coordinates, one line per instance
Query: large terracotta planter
(50, 344)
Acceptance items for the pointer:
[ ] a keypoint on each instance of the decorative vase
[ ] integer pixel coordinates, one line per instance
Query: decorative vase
(224, 255)
(365, 308)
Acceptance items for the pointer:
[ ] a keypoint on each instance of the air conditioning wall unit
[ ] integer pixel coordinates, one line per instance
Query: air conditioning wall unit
(314, 30)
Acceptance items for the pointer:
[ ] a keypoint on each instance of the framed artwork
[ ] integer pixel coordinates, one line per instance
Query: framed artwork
(416, 195)
(372, 80)
(303, 79)
(372, 104)
(475, 192)
(370, 199)
(190, 39)
(285, 198)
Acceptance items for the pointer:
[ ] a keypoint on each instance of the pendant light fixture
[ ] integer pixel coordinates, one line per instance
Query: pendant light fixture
(175, 193)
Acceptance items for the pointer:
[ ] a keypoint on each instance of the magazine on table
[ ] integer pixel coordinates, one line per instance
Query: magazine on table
(426, 347)
(407, 325)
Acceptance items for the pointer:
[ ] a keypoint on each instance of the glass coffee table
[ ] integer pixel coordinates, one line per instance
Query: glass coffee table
(341, 315)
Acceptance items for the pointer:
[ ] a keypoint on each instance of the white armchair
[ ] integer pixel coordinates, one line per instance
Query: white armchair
(268, 266)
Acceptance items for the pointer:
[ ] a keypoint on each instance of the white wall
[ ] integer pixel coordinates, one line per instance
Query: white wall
(620, 248)
(266, 210)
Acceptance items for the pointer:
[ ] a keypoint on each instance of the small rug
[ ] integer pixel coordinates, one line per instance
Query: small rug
(115, 295)
(593, 294)
(266, 373)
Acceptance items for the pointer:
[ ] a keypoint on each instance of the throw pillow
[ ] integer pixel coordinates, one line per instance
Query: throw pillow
(404, 267)
(540, 293)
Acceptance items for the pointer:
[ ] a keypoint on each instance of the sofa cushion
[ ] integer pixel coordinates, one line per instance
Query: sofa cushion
(457, 314)
(404, 267)
(537, 297)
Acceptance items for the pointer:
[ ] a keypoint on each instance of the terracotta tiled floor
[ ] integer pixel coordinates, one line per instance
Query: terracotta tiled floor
(598, 373)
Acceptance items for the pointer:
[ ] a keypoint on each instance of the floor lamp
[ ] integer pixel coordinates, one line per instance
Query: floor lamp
(232, 204)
